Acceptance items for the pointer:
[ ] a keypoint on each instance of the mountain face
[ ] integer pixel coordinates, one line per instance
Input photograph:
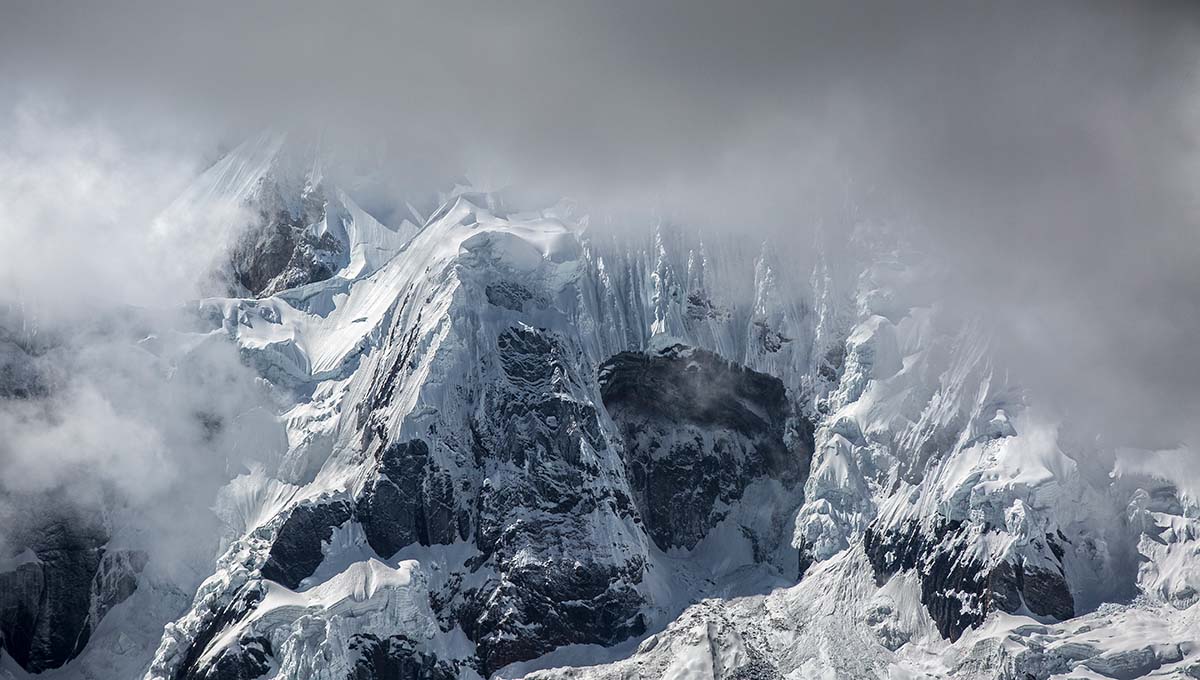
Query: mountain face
(59, 577)
(517, 449)
(698, 432)
(62, 584)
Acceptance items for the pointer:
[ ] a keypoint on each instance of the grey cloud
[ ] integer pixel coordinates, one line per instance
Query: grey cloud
(136, 430)
(1045, 152)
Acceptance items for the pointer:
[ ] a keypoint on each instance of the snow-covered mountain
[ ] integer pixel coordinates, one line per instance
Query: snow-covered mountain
(516, 446)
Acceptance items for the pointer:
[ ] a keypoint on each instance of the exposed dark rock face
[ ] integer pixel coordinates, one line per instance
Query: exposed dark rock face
(217, 621)
(20, 600)
(540, 492)
(545, 497)
(701, 308)
(1044, 591)
(246, 659)
(279, 252)
(49, 605)
(394, 658)
(509, 295)
(698, 430)
(804, 560)
(115, 580)
(960, 591)
(543, 607)
(528, 492)
(409, 501)
(768, 338)
(830, 365)
(296, 552)
(544, 422)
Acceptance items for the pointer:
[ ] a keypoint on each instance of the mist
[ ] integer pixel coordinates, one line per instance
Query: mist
(116, 405)
(1044, 155)
(135, 431)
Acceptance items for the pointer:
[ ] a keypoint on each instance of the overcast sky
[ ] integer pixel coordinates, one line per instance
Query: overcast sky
(1046, 152)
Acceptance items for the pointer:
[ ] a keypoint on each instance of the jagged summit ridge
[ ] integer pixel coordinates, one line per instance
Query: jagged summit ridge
(286, 223)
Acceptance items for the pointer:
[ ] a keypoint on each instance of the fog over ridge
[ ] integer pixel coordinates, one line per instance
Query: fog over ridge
(1044, 154)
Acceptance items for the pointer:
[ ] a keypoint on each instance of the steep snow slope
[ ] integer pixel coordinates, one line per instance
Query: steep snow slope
(448, 416)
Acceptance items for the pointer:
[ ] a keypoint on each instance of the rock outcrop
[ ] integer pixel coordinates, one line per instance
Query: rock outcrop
(698, 430)
(959, 586)
(62, 584)
(279, 250)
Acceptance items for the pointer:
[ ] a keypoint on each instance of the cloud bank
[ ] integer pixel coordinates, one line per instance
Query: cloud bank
(1044, 153)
